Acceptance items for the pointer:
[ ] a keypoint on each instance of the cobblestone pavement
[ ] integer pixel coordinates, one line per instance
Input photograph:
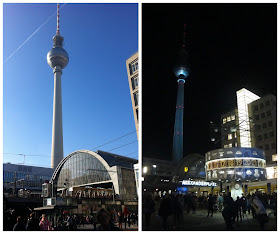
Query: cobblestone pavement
(200, 222)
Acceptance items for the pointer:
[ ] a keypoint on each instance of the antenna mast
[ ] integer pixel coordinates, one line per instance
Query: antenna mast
(57, 28)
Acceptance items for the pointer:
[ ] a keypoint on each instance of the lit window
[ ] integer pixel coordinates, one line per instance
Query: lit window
(228, 118)
(230, 145)
(235, 135)
(235, 144)
(229, 136)
(212, 139)
(145, 169)
(225, 146)
(224, 120)
(232, 117)
(154, 166)
(274, 157)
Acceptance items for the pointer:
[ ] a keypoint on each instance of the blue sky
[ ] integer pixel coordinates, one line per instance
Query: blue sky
(96, 101)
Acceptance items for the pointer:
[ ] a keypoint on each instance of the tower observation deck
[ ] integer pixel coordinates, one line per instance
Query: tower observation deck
(58, 59)
(181, 71)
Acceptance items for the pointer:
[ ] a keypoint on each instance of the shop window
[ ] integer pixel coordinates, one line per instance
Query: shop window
(230, 145)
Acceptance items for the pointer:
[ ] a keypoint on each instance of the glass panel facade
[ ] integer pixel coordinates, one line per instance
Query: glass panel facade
(81, 168)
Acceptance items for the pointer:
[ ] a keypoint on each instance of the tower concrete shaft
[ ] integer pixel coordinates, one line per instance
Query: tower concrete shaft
(177, 152)
(57, 132)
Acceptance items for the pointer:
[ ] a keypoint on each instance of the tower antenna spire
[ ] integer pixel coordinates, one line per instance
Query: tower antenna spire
(184, 37)
(57, 27)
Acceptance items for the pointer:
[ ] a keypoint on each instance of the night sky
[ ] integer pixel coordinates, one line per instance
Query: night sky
(231, 46)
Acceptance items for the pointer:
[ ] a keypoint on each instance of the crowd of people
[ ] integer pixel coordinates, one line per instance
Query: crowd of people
(175, 206)
(102, 220)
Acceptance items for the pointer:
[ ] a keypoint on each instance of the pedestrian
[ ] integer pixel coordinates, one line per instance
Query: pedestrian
(148, 209)
(69, 223)
(194, 203)
(261, 214)
(121, 217)
(45, 224)
(19, 226)
(210, 205)
(32, 223)
(104, 218)
(228, 212)
(220, 202)
(165, 210)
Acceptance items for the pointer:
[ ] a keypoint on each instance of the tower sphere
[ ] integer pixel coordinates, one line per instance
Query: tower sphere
(58, 56)
(181, 72)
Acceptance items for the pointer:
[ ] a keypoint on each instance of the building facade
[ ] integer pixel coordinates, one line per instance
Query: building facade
(133, 79)
(18, 177)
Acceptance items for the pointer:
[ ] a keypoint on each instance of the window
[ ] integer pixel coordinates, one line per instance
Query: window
(225, 146)
(229, 136)
(235, 135)
(267, 103)
(258, 127)
(235, 144)
(256, 108)
(268, 113)
(261, 105)
(230, 145)
(260, 147)
(259, 137)
(266, 147)
(224, 120)
(273, 146)
(263, 115)
(134, 82)
(257, 117)
(265, 136)
(228, 119)
(232, 117)
(136, 98)
(264, 125)
(271, 134)
(270, 124)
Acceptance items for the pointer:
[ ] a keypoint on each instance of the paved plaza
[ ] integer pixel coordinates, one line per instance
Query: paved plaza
(200, 222)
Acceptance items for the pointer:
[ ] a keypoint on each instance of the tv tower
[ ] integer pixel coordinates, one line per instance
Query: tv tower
(181, 71)
(57, 59)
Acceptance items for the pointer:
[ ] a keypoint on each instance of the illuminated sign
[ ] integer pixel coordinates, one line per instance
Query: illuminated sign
(89, 193)
(198, 183)
(186, 169)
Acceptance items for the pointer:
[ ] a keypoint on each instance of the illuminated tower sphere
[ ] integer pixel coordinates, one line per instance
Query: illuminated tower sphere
(57, 59)
(181, 71)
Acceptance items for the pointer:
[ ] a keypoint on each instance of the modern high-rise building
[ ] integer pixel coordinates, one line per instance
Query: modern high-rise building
(133, 78)
(254, 126)
(57, 59)
(181, 72)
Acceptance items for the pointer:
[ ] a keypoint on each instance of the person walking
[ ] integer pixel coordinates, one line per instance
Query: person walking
(148, 209)
(32, 223)
(210, 205)
(261, 214)
(165, 210)
(220, 202)
(45, 224)
(19, 226)
(228, 212)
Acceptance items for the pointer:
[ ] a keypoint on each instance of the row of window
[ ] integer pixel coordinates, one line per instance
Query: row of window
(262, 115)
(267, 146)
(11, 175)
(25, 168)
(228, 119)
(263, 125)
(266, 136)
(256, 107)
(230, 145)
